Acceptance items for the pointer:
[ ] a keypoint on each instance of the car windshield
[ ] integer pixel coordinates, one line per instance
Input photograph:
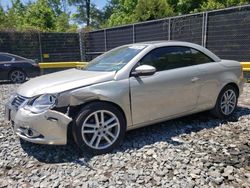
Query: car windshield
(114, 60)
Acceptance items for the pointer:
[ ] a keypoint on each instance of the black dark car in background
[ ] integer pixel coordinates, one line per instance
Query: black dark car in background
(17, 69)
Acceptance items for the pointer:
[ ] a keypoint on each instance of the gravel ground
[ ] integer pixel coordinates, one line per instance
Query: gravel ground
(194, 151)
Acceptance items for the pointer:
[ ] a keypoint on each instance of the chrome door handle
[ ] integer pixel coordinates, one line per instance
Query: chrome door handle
(195, 79)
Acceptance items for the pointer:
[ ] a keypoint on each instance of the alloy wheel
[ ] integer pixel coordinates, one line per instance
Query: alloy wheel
(17, 76)
(228, 102)
(100, 129)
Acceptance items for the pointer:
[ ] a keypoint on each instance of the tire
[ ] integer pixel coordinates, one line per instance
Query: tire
(17, 76)
(99, 128)
(226, 105)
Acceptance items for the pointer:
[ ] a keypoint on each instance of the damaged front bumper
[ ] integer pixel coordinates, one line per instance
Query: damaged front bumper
(49, 127)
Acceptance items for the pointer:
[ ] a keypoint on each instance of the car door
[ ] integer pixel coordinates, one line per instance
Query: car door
(172, 90)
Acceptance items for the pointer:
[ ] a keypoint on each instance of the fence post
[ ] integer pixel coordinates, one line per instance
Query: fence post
(81, 45)
(205, 30)
(105, 40)
(133, 33)
(202, 29)
(40, 47)
(169, 29)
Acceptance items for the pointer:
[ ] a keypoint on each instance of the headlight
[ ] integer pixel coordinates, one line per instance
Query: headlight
(42, 103)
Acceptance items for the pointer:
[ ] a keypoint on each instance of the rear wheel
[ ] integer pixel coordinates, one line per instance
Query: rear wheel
(17, 76)
(226, 102)
(99, 128)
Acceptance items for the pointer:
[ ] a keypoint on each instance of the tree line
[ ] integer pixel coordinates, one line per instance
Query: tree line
(57, 15)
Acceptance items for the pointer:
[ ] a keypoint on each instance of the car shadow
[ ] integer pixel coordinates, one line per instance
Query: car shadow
(134, 139)
(167, 131)
(5, 82)
(52, 154)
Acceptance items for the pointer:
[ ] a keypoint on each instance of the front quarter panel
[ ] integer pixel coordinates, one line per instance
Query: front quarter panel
(115, 91)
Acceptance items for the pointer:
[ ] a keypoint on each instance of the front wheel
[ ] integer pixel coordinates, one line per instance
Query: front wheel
(99, 128)
(226, 102)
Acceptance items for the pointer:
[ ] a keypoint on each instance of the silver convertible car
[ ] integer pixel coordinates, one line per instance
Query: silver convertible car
(128, 87)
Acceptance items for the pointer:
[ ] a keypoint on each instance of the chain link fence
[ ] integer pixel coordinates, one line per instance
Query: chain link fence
(24, 44)
(49, 47)
(60, 46)
(188, 28)
(226, 32)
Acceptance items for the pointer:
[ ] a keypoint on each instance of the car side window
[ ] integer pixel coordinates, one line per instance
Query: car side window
(5, 58)
(199, 57)
(166, 58)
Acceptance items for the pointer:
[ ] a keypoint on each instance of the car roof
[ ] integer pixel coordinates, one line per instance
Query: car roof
(163, 43)
(156, 42)
(12, 55)
(166, 42)
(169, 43)
(5, 53)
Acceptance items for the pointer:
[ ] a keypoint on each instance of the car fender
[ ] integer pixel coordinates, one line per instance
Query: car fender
(116, 92)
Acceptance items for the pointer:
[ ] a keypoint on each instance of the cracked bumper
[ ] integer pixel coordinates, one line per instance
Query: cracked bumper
(49, 127)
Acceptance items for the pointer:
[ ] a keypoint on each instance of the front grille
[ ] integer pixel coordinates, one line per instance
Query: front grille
(18, 101)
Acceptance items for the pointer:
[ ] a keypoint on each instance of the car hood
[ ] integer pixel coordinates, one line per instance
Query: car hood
(62, 81)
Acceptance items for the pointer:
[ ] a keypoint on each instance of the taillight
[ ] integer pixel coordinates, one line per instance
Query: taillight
(36, 65)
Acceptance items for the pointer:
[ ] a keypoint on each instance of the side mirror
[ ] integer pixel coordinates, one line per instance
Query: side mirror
(144, 70)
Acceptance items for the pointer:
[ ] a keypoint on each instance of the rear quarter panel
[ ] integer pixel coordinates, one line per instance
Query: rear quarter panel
(233, 73)
(30, 69)
(214, 76)
(27, 67)
(4, 69)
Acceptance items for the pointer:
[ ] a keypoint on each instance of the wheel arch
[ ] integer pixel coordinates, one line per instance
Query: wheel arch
(216, 111)
(74, 110)
(233, 84)
(16, 68)
(113, 104)
(85, 142)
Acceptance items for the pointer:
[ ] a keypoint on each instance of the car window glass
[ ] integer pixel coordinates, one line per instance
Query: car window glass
(115, 59)
(199, 57)
(166, 58)
(5, 58)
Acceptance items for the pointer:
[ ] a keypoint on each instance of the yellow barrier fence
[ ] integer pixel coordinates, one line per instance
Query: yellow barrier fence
(245, 66)
(49, 65)
(246, 70)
